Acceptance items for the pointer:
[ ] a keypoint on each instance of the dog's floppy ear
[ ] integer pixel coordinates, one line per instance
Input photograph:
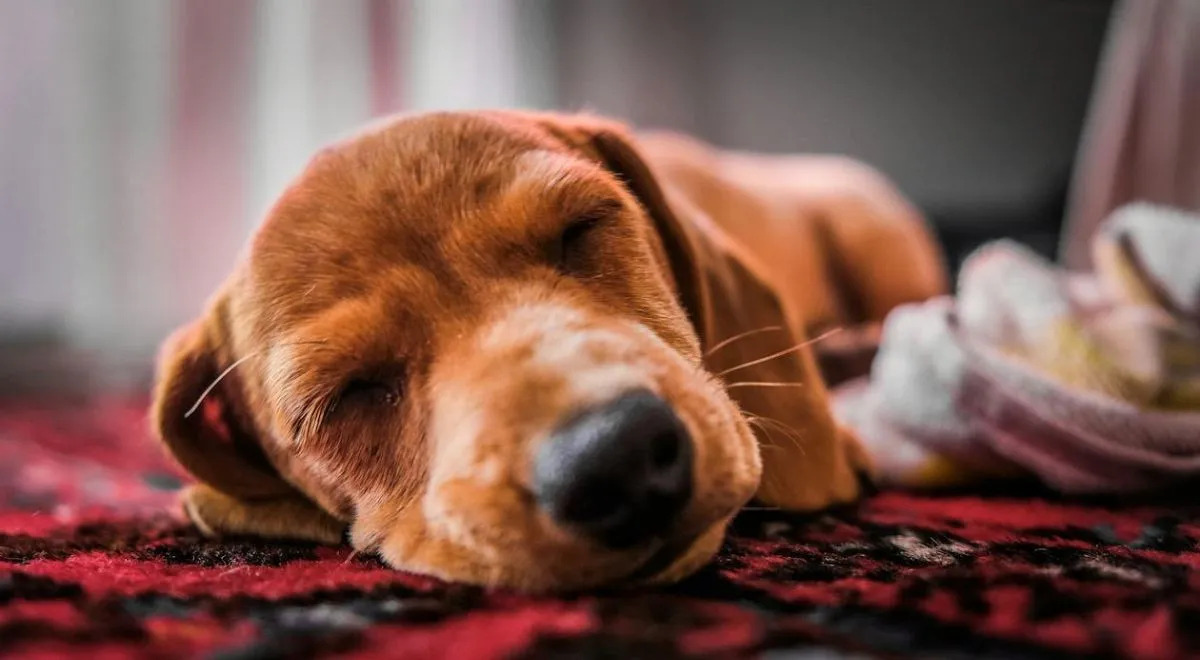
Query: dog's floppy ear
(808, 462)
(199, 428)
(240, 491)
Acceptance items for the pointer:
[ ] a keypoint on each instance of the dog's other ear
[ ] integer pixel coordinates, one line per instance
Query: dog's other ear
(207, 433)
(206, 436)
(808, 462)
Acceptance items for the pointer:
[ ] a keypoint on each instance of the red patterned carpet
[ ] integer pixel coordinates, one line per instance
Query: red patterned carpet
(92, 566)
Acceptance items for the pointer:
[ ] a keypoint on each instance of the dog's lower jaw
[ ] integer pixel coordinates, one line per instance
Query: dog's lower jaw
(414, 549)
(445, 560)
(694, 557)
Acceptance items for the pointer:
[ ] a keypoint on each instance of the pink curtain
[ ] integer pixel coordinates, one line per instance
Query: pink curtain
(206, 198)
(1142, 139)
(142, 141)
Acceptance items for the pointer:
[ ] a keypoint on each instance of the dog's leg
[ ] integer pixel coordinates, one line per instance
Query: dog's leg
(813, 477)
(217, 514)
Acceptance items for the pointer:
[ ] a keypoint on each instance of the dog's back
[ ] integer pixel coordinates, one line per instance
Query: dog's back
(831, 234)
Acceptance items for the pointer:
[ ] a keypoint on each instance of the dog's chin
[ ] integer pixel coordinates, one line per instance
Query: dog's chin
(679, 558)
(663, 562)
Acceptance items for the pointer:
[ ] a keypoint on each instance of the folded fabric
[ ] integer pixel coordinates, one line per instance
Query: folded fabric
(1090, 381)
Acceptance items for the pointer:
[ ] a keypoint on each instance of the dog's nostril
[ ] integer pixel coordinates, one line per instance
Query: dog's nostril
(591, 509)
(665, 450)
(618, 473)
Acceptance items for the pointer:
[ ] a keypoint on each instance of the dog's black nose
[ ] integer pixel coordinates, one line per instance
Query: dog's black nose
(620, 472)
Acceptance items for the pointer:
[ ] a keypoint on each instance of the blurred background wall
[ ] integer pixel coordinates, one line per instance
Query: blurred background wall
(141, 141)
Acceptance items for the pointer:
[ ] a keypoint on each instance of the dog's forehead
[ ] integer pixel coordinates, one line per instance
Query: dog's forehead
(410, 178)
(404, 194)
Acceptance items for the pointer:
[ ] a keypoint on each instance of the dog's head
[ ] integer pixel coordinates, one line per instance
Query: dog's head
(474, 340)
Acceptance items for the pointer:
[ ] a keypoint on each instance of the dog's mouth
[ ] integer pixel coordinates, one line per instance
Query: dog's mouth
(670, 552)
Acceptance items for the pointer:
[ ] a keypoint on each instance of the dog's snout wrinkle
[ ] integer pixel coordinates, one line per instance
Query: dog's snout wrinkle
(620, 473)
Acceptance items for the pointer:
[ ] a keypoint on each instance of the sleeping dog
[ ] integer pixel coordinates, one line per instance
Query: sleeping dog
(534, 351)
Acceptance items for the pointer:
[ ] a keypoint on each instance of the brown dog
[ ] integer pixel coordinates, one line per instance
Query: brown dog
(518, 350)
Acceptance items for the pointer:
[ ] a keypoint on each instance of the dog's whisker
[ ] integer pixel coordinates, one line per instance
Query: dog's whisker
(788, 432)
(725, 342)
(762, 384)
(237, 363)
(791, 433)
(778, 424)
(773, 444)
(786, 351)
(827, 334)
(216, 381)
(759, 425)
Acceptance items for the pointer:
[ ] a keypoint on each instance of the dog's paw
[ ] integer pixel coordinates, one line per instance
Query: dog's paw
(217, 514)
(814, 478)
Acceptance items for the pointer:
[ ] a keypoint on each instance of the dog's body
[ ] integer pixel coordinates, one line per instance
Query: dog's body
(833, 237)
(519, 350)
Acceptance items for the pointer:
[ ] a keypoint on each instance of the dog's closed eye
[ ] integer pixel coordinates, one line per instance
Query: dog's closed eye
(367, 392)
(571, 246)
(572, 241)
